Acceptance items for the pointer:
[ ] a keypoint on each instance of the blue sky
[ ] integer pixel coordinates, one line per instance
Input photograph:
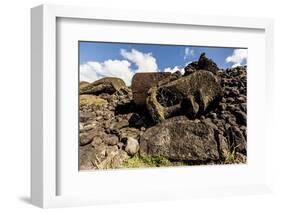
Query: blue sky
(100, 59)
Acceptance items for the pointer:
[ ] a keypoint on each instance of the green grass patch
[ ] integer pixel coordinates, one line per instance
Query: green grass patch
(149, 161)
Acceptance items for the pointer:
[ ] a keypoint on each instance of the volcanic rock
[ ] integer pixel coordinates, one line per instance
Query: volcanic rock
(105, 85)
(132, 146)
(204, 119)
(142, 82)
(236, 139)
(179, 138)
(203, 63)
(191, 95)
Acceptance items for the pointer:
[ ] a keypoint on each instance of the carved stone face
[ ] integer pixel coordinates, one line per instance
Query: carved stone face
(191, 95)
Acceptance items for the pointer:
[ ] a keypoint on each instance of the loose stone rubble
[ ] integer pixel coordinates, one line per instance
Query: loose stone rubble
(196, 118)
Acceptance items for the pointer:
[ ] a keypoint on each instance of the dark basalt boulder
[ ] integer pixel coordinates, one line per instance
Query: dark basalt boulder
(203, 63)
(191, 95)
(237, 140)
(190, 68)
(179, 138)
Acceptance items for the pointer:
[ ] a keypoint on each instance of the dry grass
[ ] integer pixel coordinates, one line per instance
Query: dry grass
(91, 100)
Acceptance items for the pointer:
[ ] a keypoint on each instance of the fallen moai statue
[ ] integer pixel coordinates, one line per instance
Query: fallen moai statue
(191, 95)
(142, 82)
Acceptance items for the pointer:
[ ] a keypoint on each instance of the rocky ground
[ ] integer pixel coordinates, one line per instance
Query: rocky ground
(200, 118)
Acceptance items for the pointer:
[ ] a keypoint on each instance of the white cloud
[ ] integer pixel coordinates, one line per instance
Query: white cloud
(174, 69)
(144, 61)
(92, 70)
(189, 62)
(88, 72)
(188, 52)
(238, 57)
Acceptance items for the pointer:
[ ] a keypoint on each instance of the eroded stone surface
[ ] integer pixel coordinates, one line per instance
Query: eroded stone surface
(106, 127)
(191, 95)
(179, 138)
(104, 85)
(132, 146)
(142, 82)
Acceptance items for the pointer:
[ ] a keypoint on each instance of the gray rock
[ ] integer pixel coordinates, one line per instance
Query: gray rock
(85, 116)
(86, 137)
(111, 140)
(118, 159)
(241, 117)
(85, 157)
(222, 106)
(223, 146)
(91, 157)
(119, 125)
(100, 152)
(213, 115)
(240, 158)
(129, 132)
(236, 139)
(81, 126)
(132, 146)
(209, 122)
(96, 141)
(87, 127)
(120, 145)
(243, 106)
(203, 63)
(111, 151)
(114, 158)
(230, 100)
(179, 138)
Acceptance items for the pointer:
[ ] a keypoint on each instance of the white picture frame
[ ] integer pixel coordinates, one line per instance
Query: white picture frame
(44, 150)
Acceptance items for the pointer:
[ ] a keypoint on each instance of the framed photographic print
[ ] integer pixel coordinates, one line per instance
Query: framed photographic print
(134, 106)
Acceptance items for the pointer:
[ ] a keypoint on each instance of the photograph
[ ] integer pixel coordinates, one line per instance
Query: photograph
(161, 105)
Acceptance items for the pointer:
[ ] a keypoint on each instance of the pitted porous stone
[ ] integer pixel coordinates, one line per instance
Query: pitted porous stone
(203, 63)
(142, 82)
(179, 138)
(191, 95)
